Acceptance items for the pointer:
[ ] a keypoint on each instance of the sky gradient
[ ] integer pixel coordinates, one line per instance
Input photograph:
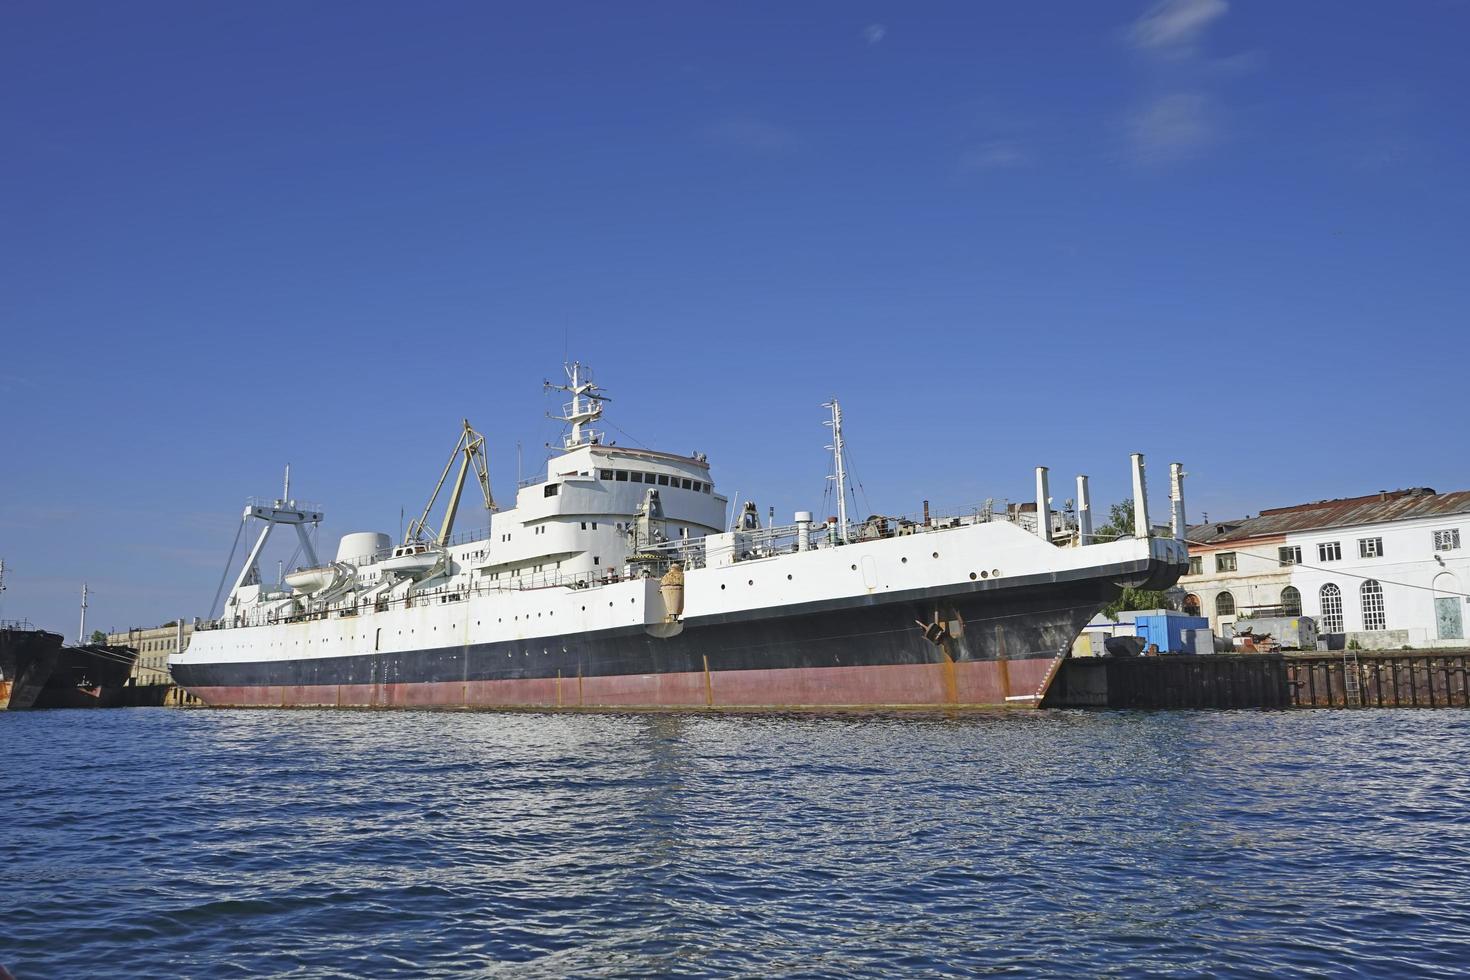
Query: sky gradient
(234, 236)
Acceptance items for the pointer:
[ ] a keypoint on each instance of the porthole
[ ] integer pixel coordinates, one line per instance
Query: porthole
(854, 568)
(995, 573)
(985, 575)
(903, 561)
(936, 554)
(750, 581)
(722, 586)
(973, 576)
(788, 578)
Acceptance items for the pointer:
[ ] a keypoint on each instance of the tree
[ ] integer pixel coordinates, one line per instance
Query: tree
(1120, 525)
(97, 637)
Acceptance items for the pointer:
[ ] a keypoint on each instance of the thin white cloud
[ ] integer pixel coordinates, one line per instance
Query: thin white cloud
(1173, 26)
(995, 155)
(1172, 128)
(751, 135)
(874, 33)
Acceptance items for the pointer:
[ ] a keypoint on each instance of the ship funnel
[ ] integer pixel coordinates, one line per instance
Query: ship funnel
(1043, 504)
(803, 530)
(1140, 498)
(1176, 498)
(1084, 511)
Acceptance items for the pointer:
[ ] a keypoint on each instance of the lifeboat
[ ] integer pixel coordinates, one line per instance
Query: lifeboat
(311, 580)
(411, 560)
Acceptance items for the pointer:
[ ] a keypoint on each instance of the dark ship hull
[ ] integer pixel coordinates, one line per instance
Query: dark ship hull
(968, 647)
(27, 659)
(91, 676)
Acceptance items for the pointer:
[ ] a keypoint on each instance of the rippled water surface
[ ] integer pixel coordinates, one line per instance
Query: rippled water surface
(150, 842)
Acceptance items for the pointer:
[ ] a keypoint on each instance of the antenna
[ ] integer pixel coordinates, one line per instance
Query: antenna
(839, 466)
(82, 629)
(585, 406)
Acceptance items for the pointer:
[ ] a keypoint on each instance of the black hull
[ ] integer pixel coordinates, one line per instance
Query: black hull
(1037, 622)
(27, 660)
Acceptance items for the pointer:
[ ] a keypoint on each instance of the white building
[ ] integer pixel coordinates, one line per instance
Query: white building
(1385, 571)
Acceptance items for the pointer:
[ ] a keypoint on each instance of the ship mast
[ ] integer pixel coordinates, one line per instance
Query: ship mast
(584, 408)
(839, 466)
(82, 629)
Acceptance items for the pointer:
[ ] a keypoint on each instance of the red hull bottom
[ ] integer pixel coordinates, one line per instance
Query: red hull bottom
(971, 684)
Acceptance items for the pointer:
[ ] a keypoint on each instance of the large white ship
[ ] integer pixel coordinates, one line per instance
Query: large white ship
(621, 580)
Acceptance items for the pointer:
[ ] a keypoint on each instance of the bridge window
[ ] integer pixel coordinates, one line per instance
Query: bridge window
(621, 475)
(605, 474)
(686, 484)
(552, 489)
(663, 479)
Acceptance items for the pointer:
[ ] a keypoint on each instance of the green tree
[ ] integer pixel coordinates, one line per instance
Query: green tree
(97, 637)
(1120, 525)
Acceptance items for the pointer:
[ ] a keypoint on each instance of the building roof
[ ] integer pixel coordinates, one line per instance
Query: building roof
(1378, 508)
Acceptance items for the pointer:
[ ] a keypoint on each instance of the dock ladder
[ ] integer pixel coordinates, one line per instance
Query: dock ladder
(1352, 675)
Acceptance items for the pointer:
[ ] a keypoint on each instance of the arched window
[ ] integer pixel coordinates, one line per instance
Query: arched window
(1331, 597)
(1224, 604)
(1191, 604)
(1373, 616)
(1291, 602)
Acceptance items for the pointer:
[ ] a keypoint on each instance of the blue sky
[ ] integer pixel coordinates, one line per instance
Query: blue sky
(237, 235)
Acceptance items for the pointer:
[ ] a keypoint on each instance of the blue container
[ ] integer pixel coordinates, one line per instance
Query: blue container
(1166, 629)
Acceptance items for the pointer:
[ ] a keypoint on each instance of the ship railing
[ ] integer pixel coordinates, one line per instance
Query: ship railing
(16, 624)
(765, 542)
(267, 503)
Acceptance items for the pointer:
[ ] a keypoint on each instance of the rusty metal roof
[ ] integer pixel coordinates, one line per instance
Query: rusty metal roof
(1378, 508)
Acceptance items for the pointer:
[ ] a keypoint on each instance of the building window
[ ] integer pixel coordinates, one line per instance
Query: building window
(1447, 540)
(1370, 547)
(1330, 551)
(1225, 562)
(1291, 601)
(1331, 597)
(1191, 604)
(1224, 604)
(1196, 565)
(1289, 555)
(1373, 616)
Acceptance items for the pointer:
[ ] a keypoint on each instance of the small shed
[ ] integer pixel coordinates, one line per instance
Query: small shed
(1165, 628)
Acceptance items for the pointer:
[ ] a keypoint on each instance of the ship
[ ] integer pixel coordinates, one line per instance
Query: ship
(27, 658)
(38, 669)
(622, 579)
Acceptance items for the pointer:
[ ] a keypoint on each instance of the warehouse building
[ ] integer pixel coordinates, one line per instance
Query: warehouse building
(1381, 572)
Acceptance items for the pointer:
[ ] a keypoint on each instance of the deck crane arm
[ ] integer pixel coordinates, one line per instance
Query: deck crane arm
(471, 447)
